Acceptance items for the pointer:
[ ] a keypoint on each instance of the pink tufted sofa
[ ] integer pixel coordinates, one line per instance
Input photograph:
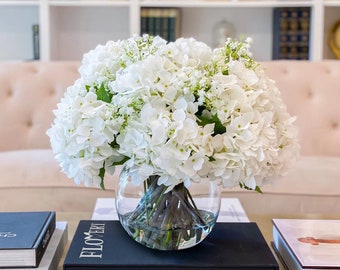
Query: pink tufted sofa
(31, 179)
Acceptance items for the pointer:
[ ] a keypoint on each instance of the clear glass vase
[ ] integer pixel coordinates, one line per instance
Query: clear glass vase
(178, 219)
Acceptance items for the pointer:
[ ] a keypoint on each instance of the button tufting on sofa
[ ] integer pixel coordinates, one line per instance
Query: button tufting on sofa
(310, 93)
(335, 125)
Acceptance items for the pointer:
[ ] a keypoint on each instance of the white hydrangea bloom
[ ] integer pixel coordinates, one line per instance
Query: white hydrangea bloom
(178, 110)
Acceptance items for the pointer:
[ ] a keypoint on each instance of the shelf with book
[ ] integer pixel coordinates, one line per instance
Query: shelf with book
(68, 28)
(234, 3)
(291, 33)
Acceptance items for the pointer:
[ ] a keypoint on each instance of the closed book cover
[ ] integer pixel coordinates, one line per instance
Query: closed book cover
(105, 245)
(24, 237)
(54, 250)
(307, 243)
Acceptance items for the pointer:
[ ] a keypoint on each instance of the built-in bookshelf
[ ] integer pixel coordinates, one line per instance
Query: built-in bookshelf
(69, 28)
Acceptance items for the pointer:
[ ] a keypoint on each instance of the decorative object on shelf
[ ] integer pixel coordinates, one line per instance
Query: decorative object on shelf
(291, 33)
(173, 114)
(163, 22)
(334, 39)
(36, 39)
(222, 31)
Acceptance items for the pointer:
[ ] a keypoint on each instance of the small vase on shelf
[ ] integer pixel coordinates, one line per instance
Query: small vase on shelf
(222, 31)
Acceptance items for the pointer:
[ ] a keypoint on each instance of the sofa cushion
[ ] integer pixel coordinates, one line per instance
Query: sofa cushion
(29, 93)
(311, 175)
(33, 178)
(311, 91)
(310, 189)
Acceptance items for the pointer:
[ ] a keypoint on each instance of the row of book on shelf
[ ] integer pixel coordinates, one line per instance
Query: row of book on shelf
(291, 29)
(291, 33)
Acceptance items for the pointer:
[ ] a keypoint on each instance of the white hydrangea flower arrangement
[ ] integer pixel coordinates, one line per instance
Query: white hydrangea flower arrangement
(179, 110)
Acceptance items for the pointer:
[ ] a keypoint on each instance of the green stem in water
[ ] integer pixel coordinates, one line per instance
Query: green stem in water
(166, 220)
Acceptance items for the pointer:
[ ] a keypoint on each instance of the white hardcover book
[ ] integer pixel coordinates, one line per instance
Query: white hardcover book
(54, 250)
(231, 210)
(307, 243)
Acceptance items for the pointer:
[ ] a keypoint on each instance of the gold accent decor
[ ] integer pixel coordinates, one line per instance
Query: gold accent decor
(334, 39)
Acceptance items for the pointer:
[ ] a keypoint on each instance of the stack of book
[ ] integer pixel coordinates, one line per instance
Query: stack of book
(291, 32)
(234, 243)
(163, 22)
(105, 245)
(307, 244)
(31, 240)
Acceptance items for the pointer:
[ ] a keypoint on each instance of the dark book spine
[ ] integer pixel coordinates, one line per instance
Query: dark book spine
(36, 39)
(174, 24)
(276, 33)
(158, 22)
(164, 24)
(291, 27)
(144, 21)
(44, 237)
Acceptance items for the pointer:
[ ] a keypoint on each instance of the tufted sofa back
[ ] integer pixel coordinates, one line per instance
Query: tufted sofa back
(311, 91)
(29, 92)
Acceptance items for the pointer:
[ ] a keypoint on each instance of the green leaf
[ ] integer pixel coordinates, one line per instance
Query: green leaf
(103, 94)
(257, 188)
(101, 175)
(102, 171)
(121, 162)
(219, 127)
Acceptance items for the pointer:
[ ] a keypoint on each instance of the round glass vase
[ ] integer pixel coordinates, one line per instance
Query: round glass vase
(177, 219)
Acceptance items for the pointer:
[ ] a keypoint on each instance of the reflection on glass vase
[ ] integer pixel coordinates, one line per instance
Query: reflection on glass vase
(177, 219)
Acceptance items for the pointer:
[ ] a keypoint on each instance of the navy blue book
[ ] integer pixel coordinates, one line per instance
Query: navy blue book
(291, 33)
(24, 237)
(105, 245)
